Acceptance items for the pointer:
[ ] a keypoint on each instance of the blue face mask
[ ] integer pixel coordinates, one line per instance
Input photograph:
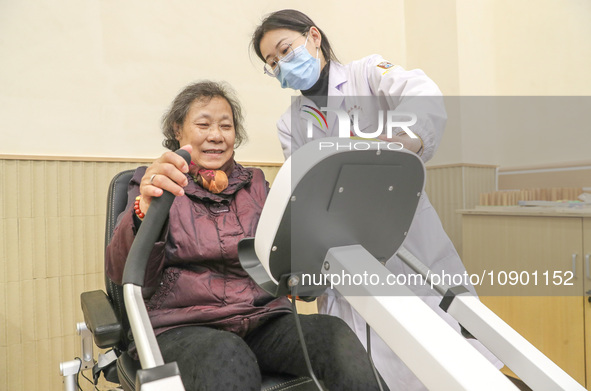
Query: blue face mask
(301, 72)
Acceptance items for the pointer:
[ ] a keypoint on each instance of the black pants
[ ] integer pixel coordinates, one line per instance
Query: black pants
(216, 360)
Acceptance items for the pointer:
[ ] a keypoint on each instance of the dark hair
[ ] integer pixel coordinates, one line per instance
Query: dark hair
(202, 91)
(291, 20)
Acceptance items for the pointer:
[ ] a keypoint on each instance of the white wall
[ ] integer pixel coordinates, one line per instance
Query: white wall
(518, 48)
(92, 78)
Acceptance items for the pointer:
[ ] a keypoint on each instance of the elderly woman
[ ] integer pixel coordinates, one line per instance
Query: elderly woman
(208, 314)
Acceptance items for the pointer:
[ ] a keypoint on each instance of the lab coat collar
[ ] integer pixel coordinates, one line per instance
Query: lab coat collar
(336, 78)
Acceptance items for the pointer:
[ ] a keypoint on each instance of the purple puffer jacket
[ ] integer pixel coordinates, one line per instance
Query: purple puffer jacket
(194, 276)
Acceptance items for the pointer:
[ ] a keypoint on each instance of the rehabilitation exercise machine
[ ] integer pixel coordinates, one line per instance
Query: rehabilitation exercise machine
(344, 207)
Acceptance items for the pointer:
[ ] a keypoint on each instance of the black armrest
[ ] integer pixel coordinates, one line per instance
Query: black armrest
(100, 318)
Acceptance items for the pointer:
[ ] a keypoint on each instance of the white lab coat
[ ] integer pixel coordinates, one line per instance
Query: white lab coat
(426, 239)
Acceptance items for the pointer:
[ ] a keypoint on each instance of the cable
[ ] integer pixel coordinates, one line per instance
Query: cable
(375, 371)
(84, 376)
(90, 381)
(302, 341)
(78, 373)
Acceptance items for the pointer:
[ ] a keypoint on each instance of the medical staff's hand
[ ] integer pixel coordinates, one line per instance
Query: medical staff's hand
(166, 173)
(412, 144)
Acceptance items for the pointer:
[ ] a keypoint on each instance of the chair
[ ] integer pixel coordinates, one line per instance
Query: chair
(105, 316)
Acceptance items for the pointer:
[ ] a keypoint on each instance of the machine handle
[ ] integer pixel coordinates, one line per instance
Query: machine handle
(137, 259)
(587, 271)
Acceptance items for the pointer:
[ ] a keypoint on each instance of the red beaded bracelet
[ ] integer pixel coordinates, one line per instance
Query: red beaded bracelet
(136, 207)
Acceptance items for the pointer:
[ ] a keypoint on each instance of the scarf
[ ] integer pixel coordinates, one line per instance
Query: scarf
(214, 181)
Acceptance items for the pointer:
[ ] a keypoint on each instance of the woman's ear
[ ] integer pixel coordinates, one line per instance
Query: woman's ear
(316, 36)
(177, 132)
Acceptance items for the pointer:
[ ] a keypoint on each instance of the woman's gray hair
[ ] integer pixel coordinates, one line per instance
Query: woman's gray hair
(202, 91)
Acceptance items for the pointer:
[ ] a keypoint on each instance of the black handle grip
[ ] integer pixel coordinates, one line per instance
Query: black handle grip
(137, 259)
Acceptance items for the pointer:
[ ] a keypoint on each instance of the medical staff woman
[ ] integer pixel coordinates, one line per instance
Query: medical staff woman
(298, 54)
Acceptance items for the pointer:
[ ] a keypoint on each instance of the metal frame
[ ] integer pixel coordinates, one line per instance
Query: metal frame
(531, 365)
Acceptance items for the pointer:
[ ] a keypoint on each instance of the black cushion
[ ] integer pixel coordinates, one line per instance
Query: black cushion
(100, 318)
(126, 370)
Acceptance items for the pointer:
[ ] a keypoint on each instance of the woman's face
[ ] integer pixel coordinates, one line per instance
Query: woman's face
(209, 128)
(275, 44)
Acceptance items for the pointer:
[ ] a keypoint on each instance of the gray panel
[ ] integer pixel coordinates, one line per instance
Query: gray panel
(379, 196)
(356, 182)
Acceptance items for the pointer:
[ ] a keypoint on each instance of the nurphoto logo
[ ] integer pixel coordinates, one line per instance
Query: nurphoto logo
(348, 125)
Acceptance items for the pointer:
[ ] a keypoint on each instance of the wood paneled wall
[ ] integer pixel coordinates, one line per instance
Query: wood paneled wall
(458, 186)
(52, 218)
(575, 174)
